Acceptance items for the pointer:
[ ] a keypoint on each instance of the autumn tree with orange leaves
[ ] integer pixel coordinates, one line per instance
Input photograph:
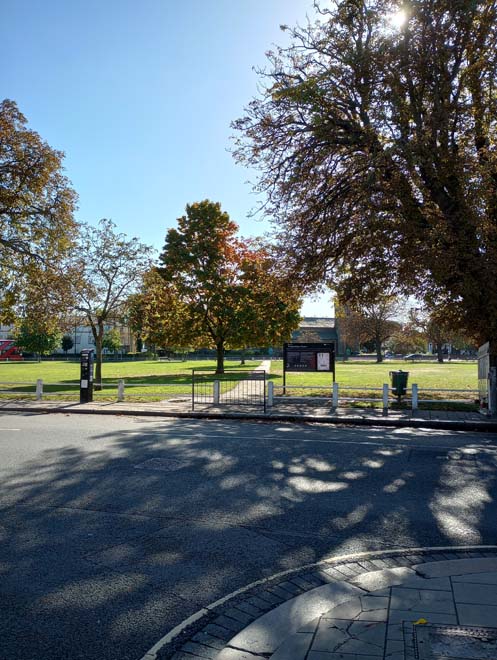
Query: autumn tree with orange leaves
(214, 290)
(37, 225)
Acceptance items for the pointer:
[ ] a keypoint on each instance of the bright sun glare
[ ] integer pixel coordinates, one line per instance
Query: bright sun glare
(398, 19)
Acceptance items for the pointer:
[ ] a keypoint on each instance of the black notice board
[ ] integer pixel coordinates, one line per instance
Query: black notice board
(309, 357)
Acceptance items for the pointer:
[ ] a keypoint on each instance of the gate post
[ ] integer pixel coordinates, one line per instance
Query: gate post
(193, 390)
(270, 393)
(39, 389)
(215, 392)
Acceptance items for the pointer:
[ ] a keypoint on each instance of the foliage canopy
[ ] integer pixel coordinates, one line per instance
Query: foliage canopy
(111, 266)
(37, 337)
(37, 203)
(377, 151)
(214, 290)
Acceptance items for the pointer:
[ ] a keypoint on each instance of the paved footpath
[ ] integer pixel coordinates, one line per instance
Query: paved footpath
(419, 604)
(297, 411)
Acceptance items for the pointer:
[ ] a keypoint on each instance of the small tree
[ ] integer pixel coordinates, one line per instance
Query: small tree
(67, 343)
(373, 318)
(407, 339)
(112, 340)
(37, 338)
(438, 333)
(111, 267)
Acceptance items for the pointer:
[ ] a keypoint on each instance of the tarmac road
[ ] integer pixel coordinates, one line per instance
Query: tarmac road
(115, 529)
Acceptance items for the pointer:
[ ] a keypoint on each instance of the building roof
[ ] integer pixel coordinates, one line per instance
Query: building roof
(317, 322)
(314, 329)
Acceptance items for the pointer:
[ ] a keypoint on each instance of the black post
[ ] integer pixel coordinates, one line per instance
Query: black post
(193, 390)
(284, 368)
(86, 376)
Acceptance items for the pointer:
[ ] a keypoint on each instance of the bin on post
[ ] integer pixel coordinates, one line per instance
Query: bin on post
(399, 382)
(86, 376)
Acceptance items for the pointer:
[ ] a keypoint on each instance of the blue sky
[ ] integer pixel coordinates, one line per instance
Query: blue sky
(140, 95)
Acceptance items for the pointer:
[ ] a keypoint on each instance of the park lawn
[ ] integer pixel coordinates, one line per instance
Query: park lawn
(431, 375)
(162, 379)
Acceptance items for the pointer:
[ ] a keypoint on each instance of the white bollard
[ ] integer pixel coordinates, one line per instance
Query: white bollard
(334, 398)
(270, 393)
(120, 390)
(414, 396)
(385, 398)
(216, 389)
(39, 389)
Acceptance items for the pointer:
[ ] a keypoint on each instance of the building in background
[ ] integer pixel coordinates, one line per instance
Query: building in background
(6, 332)
(317, 330)
(82, 337)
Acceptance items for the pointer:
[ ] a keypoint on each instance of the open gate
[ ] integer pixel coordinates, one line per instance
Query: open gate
(234, 389)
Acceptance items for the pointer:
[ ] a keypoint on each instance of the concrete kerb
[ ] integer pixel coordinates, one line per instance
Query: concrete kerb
(219, 623)
(442, 425)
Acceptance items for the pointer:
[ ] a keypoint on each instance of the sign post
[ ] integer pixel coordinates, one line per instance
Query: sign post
(308, 357)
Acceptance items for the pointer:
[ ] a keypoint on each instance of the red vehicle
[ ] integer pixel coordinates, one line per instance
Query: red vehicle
(9, 351)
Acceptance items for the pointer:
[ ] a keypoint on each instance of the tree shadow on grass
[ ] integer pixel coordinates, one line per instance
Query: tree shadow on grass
(110, 541)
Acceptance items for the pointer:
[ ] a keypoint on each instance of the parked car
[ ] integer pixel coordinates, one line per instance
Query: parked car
(414, 356)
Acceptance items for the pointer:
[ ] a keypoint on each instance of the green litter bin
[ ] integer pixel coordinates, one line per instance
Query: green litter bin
(399, 382)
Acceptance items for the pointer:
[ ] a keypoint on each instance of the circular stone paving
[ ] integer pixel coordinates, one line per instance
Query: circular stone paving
(393, 605)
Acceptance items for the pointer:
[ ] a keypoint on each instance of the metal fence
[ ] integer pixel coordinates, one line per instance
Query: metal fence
(242, 389)
(237, 388)
(352, 394)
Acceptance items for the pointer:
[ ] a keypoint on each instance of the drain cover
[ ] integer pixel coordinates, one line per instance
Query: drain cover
(163, 464)
(437, 642)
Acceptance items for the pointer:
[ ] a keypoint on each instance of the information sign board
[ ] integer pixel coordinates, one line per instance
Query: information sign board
(309, 357)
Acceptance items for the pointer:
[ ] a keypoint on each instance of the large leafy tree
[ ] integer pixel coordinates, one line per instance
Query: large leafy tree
(212, 289)
(111, 266)
(37, 227)
(377, 150)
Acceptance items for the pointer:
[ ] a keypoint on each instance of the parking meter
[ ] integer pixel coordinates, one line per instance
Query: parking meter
(86, 376)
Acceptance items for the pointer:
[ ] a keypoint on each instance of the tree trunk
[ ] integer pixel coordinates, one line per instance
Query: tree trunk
(242, 357)
(439, 352)
(220, 358)
(379, 355)
(98, 336)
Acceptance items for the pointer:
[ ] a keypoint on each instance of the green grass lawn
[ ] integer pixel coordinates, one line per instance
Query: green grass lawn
(457, 375)
(148, 381)
(428, 375)
(154, 380)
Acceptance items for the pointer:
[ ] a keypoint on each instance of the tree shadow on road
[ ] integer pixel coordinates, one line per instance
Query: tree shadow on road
(109, 544)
